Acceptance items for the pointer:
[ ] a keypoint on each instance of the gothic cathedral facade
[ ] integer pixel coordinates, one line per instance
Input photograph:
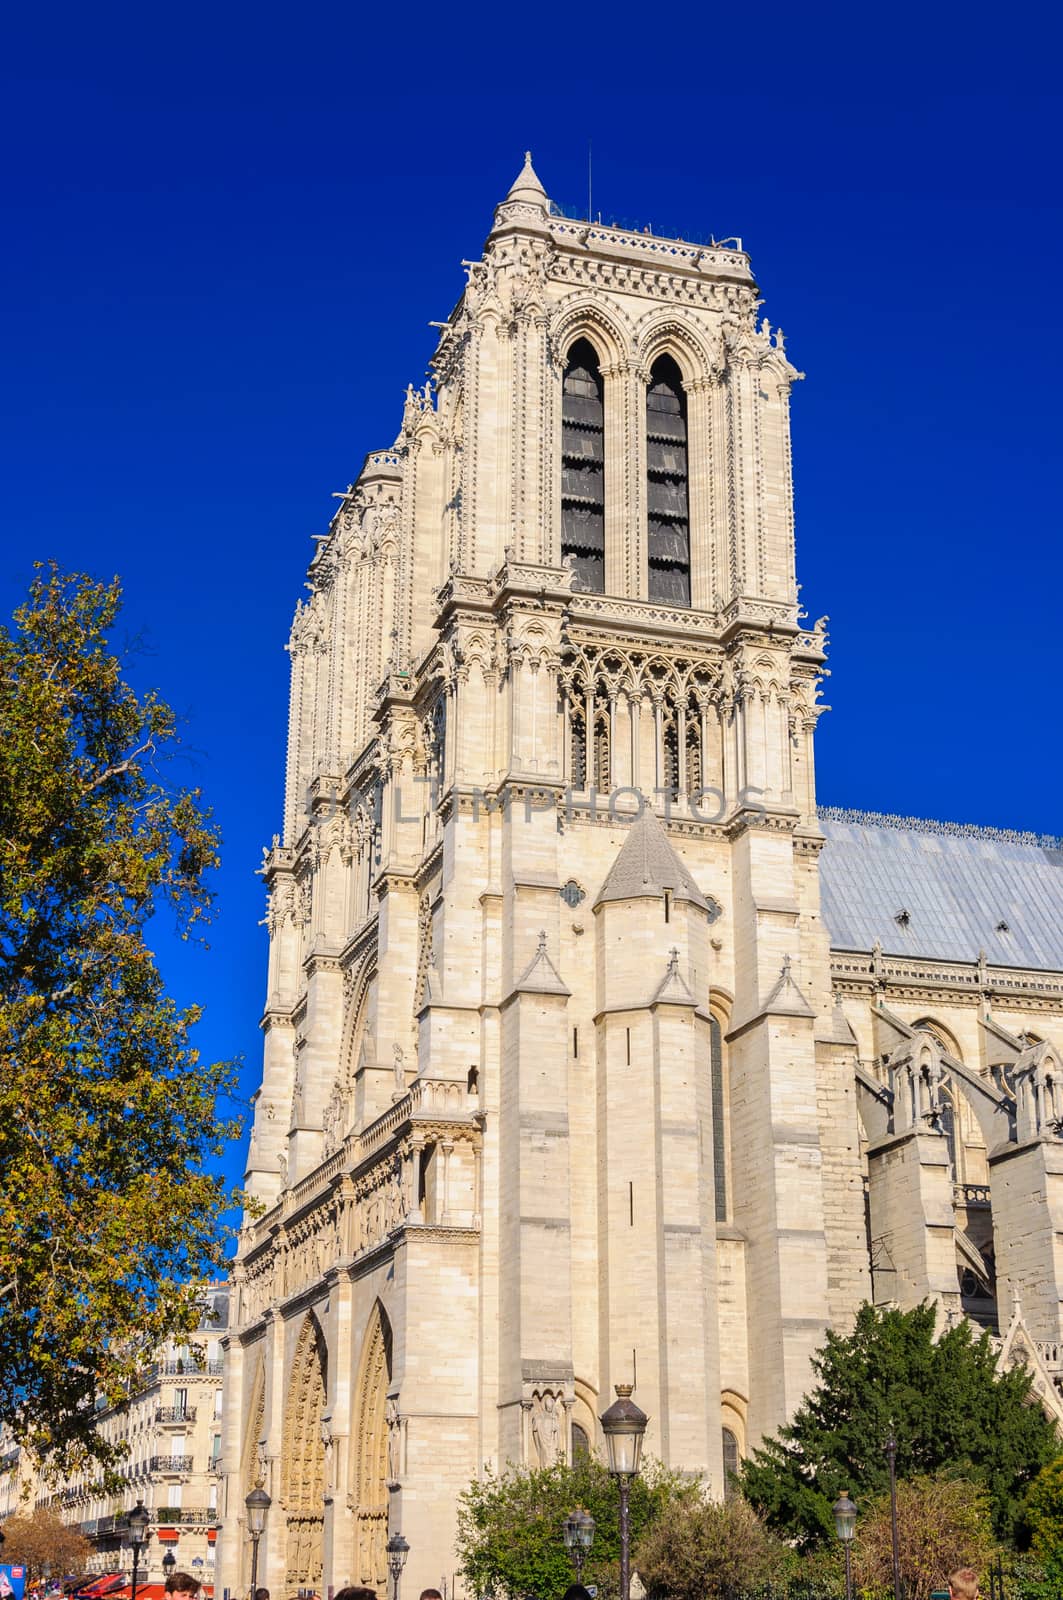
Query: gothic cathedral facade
(559, 1089)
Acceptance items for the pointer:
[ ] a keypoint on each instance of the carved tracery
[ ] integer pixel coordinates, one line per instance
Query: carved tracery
(303, 1474)
(369, 1489)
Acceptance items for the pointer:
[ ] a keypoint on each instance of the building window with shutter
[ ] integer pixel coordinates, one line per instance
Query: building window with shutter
(583, 470)
(666, 486)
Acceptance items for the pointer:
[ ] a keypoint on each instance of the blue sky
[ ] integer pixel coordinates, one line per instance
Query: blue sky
(228, 230)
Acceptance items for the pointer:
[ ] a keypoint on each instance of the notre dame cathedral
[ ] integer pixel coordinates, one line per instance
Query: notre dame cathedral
(594, 1051)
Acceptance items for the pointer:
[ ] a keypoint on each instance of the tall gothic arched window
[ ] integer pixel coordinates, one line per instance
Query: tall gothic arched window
(666, 488)
(602, 761)
(577, 761)
(731, 1463)
(583, 469)
(670, 752)
(693, 754)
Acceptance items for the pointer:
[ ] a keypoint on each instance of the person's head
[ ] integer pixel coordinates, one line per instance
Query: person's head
(963, 1584)
(430, 1594)
(182, 1583)
(261, 1594)
(576, 1591)
(355, 1591)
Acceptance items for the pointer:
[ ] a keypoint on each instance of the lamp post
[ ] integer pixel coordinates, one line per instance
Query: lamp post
(169, 1561)
(138, 1532)
(258, 1503)
(845, 1523)
(578, 1532)
(397, 1550)
(891, 1457)
(624, 1426)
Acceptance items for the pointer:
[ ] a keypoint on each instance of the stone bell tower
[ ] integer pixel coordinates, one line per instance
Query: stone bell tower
(554, 1093)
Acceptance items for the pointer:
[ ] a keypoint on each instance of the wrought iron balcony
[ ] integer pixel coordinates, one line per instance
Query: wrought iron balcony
(172, 1516)
(175, 1413)
(171, 1463)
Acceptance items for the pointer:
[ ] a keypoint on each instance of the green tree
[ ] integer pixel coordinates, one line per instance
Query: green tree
(107, 1116)
(943, 1523)
(509, 1538)
(949, 1409)
(45, 1540)
(1044, 1519)
(698, 1549)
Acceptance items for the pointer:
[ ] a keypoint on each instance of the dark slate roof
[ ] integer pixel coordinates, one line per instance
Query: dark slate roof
(647, 865)
(956, 883)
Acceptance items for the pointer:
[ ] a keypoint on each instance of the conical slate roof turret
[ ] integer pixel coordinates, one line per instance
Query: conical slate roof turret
(647, 865)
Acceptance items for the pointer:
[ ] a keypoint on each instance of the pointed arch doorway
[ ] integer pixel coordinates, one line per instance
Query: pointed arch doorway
(369, 1492)
(303, 1474)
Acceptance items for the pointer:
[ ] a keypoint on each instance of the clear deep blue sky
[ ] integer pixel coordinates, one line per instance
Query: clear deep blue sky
(228, 228)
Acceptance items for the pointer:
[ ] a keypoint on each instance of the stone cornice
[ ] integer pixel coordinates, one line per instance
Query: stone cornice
(775, 820)
(971, 983)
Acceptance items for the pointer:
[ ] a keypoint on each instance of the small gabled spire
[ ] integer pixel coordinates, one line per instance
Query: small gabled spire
(527, 187)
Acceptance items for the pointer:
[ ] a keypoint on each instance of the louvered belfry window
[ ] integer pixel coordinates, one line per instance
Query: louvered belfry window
(666, 468)
(583, 469)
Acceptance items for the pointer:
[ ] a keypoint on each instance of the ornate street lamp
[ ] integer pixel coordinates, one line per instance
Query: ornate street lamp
(397, 1550)
(169, 1561)
(845, 1522)
(578, 1532)
(138, 1532)
(891, 1456)
(624, 1426)
(258, 1503)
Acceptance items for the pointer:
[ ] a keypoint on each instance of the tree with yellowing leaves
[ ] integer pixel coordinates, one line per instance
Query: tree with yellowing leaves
(108, 1210)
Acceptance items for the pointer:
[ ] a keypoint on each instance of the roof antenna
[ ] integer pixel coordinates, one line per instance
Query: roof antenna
(590, 208)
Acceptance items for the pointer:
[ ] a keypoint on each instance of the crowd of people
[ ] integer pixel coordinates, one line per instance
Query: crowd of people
(962, 1585)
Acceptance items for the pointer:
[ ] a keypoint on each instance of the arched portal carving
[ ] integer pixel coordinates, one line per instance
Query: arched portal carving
(369, 1492)
(303, 1473)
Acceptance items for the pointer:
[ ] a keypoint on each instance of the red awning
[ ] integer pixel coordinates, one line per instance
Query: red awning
(156, 1591)
(100, 1586)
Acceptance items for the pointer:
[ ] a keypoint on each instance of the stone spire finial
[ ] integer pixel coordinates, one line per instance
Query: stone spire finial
(527, 187)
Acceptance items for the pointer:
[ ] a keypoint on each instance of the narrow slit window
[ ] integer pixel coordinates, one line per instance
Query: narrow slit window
(583, 469)
(666, 488)
(719, 1130)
